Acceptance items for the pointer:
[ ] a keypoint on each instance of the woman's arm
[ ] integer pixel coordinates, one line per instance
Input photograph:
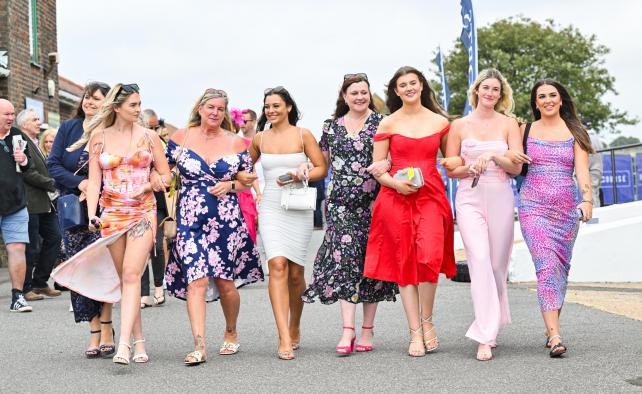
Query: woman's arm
(584, 181)
(55, 159)
(454, 164)
(514, 141)
(380, 152)
(95, 177)
(161, 165)
(313, 152)
(518, 156)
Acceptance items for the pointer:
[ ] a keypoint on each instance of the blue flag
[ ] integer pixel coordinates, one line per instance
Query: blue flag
(445, 92)
(469, 39)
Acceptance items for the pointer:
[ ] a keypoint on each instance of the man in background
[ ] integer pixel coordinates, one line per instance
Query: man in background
(14, 218)
(150, 120)
(44, 230)
(596, 167)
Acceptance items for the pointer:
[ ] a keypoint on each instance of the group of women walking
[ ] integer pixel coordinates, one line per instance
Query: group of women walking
(389, 225)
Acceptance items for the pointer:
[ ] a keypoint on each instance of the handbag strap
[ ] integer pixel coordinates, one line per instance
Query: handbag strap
(525, 140)
(172, 210)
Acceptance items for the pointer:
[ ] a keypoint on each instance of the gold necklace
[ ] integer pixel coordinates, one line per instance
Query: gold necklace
(359, 122)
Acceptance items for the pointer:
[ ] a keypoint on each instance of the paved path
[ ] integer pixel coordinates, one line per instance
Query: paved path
(43, 351)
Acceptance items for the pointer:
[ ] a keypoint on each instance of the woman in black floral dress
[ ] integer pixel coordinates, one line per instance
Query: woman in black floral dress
(347, 143)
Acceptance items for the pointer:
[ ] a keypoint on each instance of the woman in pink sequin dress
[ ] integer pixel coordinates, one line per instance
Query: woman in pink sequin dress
(557, 146)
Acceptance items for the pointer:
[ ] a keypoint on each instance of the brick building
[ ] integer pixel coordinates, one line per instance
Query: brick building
(29, 57)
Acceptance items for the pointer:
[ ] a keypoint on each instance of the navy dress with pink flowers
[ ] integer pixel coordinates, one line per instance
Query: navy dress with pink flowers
(212, 238)
(338, 268)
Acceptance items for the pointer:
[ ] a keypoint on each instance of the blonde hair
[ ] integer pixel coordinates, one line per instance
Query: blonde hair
(505, 105)
(106, 115)
(43, 137)
(195, 117)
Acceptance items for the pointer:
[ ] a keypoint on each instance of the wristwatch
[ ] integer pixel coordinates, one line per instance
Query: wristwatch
(233, 186)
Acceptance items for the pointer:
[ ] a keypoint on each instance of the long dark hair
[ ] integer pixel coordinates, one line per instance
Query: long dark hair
(342, 107)
(567, 113)
(90, 89)
(428, 99)
(293, 117)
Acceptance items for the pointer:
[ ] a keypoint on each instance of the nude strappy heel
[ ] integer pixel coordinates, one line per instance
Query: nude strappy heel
(140, 358)
(417, 353)
(431, 344)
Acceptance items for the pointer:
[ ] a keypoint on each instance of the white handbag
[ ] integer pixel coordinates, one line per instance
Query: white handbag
(299, 198)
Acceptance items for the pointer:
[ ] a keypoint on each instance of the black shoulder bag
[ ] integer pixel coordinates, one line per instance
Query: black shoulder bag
(524, 146)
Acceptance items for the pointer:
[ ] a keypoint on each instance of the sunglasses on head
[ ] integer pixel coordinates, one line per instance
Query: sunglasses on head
(128, 88)
(215, 93)
(102, 85)
(278, 89)
(357, 75)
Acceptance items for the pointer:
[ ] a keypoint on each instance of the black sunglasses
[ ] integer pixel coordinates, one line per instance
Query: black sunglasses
(357, 75)
(215, 92)
(278, 89)
(128, 88)
(102, 85)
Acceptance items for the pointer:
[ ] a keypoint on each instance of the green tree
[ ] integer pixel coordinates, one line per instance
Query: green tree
(526, 51)
(623, 140)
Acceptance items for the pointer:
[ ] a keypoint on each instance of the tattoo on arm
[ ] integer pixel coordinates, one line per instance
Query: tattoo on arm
(586, 188)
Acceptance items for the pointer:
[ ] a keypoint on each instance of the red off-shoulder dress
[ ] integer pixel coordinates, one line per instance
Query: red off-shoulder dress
(411, 237)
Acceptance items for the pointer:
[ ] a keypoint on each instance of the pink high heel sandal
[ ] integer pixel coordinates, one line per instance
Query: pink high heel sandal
(365, 348)
(346, 350)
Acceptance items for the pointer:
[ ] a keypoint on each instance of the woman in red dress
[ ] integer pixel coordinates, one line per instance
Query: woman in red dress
(411, 236)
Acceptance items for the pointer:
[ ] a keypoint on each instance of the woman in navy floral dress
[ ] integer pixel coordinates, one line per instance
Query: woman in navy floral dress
(213, 253)
(338, 269)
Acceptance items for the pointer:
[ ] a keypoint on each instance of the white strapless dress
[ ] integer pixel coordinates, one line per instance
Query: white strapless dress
(284, 233)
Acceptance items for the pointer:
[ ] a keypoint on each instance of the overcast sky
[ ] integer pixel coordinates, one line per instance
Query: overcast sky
(174, 50)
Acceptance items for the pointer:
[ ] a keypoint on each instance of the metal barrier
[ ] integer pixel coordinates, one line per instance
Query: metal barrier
(635, 152)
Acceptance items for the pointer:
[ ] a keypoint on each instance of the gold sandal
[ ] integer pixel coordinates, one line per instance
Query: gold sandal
(421, 353)
(427, 342)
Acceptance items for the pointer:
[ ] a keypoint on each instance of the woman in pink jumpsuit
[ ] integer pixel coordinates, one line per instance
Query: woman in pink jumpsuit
(484, 201)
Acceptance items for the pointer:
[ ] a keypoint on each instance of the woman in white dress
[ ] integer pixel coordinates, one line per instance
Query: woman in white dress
(285, 149)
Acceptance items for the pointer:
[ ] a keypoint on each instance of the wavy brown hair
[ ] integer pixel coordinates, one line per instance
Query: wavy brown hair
(342, 107)
(90, 89)
(428, 99)
(567, 112)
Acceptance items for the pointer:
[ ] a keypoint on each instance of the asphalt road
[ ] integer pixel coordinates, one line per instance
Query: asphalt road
(42, 351)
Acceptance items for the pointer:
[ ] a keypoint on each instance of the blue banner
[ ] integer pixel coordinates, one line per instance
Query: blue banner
(445, 92)
(469, 39)
(638, 162)
(623, 179)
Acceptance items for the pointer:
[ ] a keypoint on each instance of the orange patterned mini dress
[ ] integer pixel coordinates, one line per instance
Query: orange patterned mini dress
(91, 272)
(123, 207)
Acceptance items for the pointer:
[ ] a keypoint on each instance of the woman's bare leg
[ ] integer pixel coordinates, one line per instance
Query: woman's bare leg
(196, 311)
(296, 287)
(280, 299)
